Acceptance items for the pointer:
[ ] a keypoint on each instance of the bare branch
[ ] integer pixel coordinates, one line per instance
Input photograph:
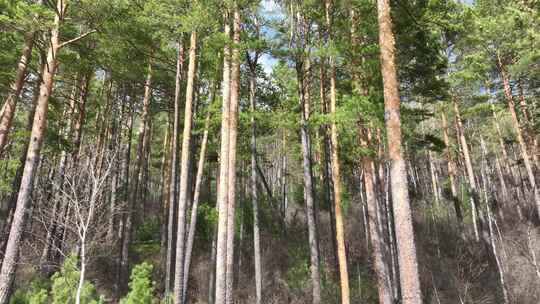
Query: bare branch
(76, 38)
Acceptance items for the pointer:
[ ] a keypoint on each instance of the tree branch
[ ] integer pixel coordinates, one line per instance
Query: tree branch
(76, 38)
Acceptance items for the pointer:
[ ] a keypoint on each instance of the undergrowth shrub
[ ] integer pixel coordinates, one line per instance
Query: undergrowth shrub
(65, 282)
(141, 287)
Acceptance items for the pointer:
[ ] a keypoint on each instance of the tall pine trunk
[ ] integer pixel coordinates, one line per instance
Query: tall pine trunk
(7, 211)
(173, 208)
(133, 198)
(469, 170)
(222, 193)
(11, 256)
(376, 233)
(184, 172)
(408, 265)
(336, 173)
(525, 154)
(308, 183)
(233, 134)
(10, 104)
(194, 208)
(254, 193)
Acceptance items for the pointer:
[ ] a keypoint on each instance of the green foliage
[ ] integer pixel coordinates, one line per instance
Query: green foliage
(147, 235)
(65, 282)
(148, 231)
(31, 297)
(206, 221)
(141, 287)
(36, 293)
(298, 273)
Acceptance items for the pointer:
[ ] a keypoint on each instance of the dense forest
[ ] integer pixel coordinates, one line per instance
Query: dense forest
(271, 151)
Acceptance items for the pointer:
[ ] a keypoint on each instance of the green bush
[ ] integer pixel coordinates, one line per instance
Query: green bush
(36, 293)
(141, 287)
(64, 285)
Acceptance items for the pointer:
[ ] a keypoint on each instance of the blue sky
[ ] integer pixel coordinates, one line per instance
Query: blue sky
(271, 10)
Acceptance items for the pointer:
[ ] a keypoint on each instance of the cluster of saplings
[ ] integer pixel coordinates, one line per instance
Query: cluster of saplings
(66, 286)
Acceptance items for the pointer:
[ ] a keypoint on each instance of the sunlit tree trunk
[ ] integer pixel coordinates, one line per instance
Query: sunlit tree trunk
(173, 208)
(233, 133)
(11, 255)
(194, 207)
(485, 183)
(6, 214)
(525, 154)
(222, 193)
(326, 159)
(165, 190)
(304, 100)
(184, 172)
(408, 265)
(528, 126)
(336, 174)
(8, 108)
(376, 233)
(253, 179)
(469, 169)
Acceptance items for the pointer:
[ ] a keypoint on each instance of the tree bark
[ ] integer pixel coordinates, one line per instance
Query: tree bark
(308, 181)
(6, 214)
(498, 261)
(408, 265)
(222, 193)
(469, 169)
(528, 123)
(254, 194)
(327, 146)
(212, 272)
(303, 81)
(196, 195)
(173, 208)
(9, 264)
(165, 187)
(505, 159)
(376, 233)
(519, 134)
(10, 104)
(184, 172)
(233, 134)
(336, 174)
(135, 181)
